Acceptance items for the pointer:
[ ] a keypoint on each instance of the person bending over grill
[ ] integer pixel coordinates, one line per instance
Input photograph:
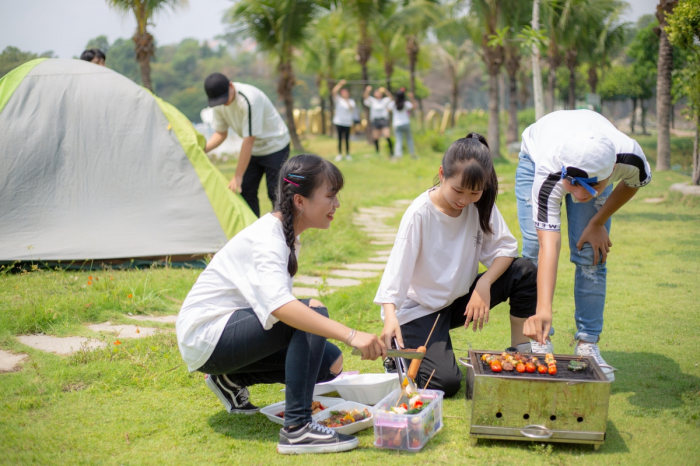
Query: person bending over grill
(433, 266)
(241, 325)
(574, 156)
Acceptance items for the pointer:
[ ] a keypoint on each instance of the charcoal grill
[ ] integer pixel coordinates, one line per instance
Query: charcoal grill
(570, 407)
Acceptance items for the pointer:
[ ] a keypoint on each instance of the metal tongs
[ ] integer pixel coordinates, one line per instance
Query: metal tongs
(401, 367)
(395, 353)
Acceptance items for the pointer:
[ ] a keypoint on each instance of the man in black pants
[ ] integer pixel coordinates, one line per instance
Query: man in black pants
(250, 114)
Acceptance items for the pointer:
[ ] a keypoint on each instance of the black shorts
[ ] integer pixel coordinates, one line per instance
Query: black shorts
(380, 123)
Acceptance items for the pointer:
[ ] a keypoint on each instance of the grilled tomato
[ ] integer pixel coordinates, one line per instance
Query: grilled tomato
(496, 366)
(520, 367)
(552, 370)
(530, 367)
(542, 369)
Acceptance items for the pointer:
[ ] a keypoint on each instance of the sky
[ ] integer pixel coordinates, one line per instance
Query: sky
(65, 26)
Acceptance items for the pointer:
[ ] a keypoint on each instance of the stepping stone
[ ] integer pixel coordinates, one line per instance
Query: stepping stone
(163, 319)
(383, 236)
(383, 259)
(301, 292)
(9, 362)
(403, 202)
(654, 200)
(382, 243)
(123, 331)
(353, 273)
(340, 282)
(62, 346)
(383, 253)
(363, 266)
(378, 229)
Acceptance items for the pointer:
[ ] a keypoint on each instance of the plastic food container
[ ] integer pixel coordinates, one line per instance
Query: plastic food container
(272, 410)
(367, 389)
(409, 432)
(348, 406)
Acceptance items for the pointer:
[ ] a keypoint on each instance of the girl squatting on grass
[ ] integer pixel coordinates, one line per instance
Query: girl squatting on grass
(433, 267)
(241, 325)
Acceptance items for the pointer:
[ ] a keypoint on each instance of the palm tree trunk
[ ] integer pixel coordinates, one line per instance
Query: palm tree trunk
(663, 88)
(593, 78)
(412, 49)
(512, 67)
(455, 100)
(536, 71)
(323, 115)
(633, 119)
(696, 153)
(551, 84)
(644, 117)
(331, 105)
(285, 86)
(571, 59)
(144, 51)
(494, 123)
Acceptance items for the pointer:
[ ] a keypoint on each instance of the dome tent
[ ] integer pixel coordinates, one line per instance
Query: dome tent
(95, 167)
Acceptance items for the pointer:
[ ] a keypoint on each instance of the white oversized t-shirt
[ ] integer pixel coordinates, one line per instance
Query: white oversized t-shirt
(401, 116)
(252, 114)
(249, 272)
(344, 111)
(378, 108)
(435, 258)
(542, 142)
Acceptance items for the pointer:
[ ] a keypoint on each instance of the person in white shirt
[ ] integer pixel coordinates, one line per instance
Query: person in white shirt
(379, 115)
(241, 325)
(574, 156)
(250, 114)
(402, 123)
(432, 270)
(343, 117)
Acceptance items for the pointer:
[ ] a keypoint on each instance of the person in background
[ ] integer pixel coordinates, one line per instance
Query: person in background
(402, 123)
(379, 115)
(250, 114)
(95, 56)
(343, 118)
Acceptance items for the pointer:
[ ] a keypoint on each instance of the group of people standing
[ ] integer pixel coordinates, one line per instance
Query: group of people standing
(240, 325)
(379, 103)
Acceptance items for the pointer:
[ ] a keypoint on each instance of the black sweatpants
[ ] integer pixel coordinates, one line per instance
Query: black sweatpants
(343, 132)
(268, 165)
(518, 283)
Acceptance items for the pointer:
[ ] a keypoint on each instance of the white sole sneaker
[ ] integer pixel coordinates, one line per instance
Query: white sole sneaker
(214, 387)
(328, 448)
(592, 349)
(538, 348)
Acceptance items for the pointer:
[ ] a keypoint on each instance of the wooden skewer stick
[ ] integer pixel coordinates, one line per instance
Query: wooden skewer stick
(426, 383)
(431, 331)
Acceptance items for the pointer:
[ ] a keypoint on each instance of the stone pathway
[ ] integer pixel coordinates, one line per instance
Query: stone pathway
(369, 219)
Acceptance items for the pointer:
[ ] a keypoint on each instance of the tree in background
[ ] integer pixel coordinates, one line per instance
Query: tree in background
(556, 15)
(644, 50)
(12, 57)
(144, 44)
(278, 28)
(389, 34)
(456, 58)
(364, 13)
(684, 31)
(663, 87)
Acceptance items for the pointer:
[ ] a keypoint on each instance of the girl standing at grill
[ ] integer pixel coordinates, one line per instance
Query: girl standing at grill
(343, 118)
(379, 115)
(433, 266)
(241, 325)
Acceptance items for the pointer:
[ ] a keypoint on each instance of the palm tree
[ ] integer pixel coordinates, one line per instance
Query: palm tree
(457, 59)
(389, 32)
(663, 87)
(278, 27)
(609, 35)
(557, 14)
(536, 72)
(144, 45)
(486, 16)
(364, 12)
(516, 15)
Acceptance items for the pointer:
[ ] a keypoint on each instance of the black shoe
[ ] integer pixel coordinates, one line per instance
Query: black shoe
(389, 366)
(314, 438)
(233, 397)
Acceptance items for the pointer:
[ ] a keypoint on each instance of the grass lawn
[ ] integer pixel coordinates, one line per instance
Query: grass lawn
(135, 403)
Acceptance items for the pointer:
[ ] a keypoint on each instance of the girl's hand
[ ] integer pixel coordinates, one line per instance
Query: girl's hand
(391, 329)
(368, 88)
(479, 306)
(371, 346)
(382, 90)
(599, 240)
(537, 327)
(342, 81)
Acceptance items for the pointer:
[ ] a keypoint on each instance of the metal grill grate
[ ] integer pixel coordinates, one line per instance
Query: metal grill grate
(562, 371)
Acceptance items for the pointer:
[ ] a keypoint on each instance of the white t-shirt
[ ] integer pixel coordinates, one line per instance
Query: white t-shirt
(344, 111)
(252, 114)
(249, 272)
(542, 142)
(378, 108)
(435, 258)
(401, 116)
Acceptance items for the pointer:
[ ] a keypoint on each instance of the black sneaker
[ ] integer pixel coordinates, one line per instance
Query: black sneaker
(389, 366)
(233, 397)
(314, 438)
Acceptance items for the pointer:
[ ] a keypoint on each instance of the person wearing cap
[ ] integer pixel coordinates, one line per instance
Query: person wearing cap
(574, 156)
(250, 114)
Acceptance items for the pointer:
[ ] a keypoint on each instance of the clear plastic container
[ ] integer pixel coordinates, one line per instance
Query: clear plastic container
(409, 432)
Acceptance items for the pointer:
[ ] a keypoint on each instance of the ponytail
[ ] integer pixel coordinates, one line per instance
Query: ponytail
(301, 175)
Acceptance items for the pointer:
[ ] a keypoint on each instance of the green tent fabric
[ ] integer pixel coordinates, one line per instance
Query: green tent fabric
(95, 167)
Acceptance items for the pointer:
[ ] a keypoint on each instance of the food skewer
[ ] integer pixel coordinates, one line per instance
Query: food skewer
(428, 382)
(415, 364)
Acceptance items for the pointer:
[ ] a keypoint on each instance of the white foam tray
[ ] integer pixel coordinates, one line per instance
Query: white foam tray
(271, 410)
(368, 389)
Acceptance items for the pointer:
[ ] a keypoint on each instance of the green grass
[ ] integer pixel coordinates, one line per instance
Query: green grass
(82, 409)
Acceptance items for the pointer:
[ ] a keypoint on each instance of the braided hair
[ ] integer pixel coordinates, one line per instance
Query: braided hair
(301, 175)
(472, 156)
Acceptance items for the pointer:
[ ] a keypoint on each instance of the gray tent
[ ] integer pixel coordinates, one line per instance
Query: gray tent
(93, 166)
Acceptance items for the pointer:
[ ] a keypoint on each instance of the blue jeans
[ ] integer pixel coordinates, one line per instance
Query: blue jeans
(401, 132)
(590, 278)
(249, 355)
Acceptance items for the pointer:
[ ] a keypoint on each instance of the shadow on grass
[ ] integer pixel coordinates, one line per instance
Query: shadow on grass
(245, 427)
